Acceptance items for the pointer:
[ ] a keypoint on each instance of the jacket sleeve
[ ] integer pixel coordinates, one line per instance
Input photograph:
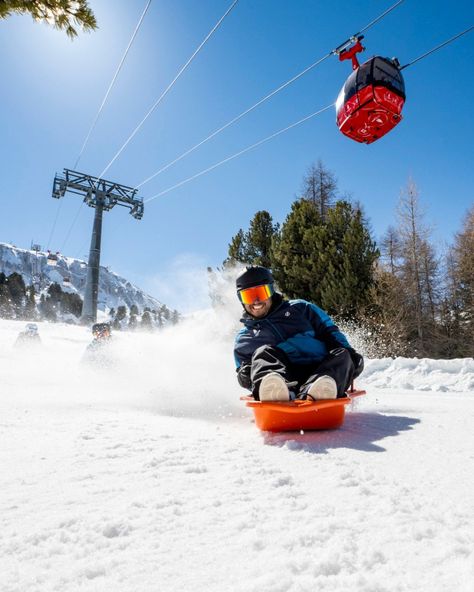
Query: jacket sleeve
(325, 329)
(242, 367)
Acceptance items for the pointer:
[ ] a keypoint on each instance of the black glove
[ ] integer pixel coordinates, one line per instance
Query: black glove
(358, 362)
(243, 376)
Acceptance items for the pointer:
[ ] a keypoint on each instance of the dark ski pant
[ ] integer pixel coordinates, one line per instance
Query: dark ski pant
(299, 377)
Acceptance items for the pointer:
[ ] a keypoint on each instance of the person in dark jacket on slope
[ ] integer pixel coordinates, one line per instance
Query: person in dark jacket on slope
(289, 348)
(98, 351)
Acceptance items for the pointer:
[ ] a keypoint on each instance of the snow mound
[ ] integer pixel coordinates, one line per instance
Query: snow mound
(419, 374)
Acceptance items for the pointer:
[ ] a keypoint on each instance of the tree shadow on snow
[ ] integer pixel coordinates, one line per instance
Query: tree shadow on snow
(360, 431)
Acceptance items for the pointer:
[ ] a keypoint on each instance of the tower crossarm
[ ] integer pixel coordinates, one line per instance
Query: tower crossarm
(98, 191)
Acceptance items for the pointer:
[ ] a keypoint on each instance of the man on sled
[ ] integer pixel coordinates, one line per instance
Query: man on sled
(289, 349)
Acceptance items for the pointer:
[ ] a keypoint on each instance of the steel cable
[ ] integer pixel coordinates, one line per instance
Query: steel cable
(104, 100)
(425, 55)
(168, 88)
(94, 123)
(259, 143)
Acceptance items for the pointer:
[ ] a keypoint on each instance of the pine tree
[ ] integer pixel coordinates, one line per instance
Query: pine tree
(30, 304)
(294, 254)
(132, 321)
(157, 315)
(328, 262)
(16, 287)
(259, 238)
(165, 312)
(6, 306)
(71, 304)
(47, 309)
(61, 14)
(253, 247)
(238, 250)
(121, 313)
(146, 322)
(350, 259)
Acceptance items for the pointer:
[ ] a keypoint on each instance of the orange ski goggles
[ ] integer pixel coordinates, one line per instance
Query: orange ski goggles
(260, 293)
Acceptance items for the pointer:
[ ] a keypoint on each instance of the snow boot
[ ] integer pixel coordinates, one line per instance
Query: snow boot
(324, 387)
(273, 388)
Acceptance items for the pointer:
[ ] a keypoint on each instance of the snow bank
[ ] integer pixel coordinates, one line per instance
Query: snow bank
(419, 374)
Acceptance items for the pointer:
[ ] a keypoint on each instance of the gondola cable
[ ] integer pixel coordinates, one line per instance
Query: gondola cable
(94, 123)
(225, 160)
(168, 88)
(425, 55)
(104, 100)
(266, 98)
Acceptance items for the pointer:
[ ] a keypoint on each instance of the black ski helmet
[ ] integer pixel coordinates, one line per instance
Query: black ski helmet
(254, 275)
(101, 328)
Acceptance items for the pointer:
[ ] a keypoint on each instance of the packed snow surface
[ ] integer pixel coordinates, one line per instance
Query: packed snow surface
(151, 475)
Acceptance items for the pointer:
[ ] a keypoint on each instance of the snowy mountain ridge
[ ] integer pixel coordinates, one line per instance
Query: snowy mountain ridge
(71, 273)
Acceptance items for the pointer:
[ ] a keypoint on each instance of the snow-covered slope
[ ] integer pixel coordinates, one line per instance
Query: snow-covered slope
(71, 275)
(152, 475)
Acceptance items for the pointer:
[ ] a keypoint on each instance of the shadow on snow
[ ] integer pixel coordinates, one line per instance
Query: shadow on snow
(360, 431)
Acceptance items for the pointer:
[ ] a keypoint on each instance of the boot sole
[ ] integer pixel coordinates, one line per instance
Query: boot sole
(323, 389)
(273, 388)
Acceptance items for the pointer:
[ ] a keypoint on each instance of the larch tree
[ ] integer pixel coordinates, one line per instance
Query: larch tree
(390, 249)
(320, 187)
(419, 272)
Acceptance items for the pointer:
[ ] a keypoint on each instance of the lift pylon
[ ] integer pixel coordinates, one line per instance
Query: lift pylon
(103, 196)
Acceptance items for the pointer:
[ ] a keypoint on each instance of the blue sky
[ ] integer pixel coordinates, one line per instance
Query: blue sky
(52, 88)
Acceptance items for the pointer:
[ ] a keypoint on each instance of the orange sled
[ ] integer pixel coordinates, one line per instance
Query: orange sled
(300, 415)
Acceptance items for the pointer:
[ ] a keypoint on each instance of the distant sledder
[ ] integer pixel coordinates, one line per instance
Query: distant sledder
(292, 357)
(98, 350)
(29, 337)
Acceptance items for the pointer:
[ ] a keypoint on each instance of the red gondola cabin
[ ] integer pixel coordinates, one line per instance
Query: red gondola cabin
(371, 101)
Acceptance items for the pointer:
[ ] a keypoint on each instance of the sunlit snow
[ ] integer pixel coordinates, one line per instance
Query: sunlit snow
(151, 475)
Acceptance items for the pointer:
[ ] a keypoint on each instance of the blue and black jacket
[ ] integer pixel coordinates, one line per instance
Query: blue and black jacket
(299, 328)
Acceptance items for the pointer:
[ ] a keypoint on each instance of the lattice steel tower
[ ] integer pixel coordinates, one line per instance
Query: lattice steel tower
(103, 196)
